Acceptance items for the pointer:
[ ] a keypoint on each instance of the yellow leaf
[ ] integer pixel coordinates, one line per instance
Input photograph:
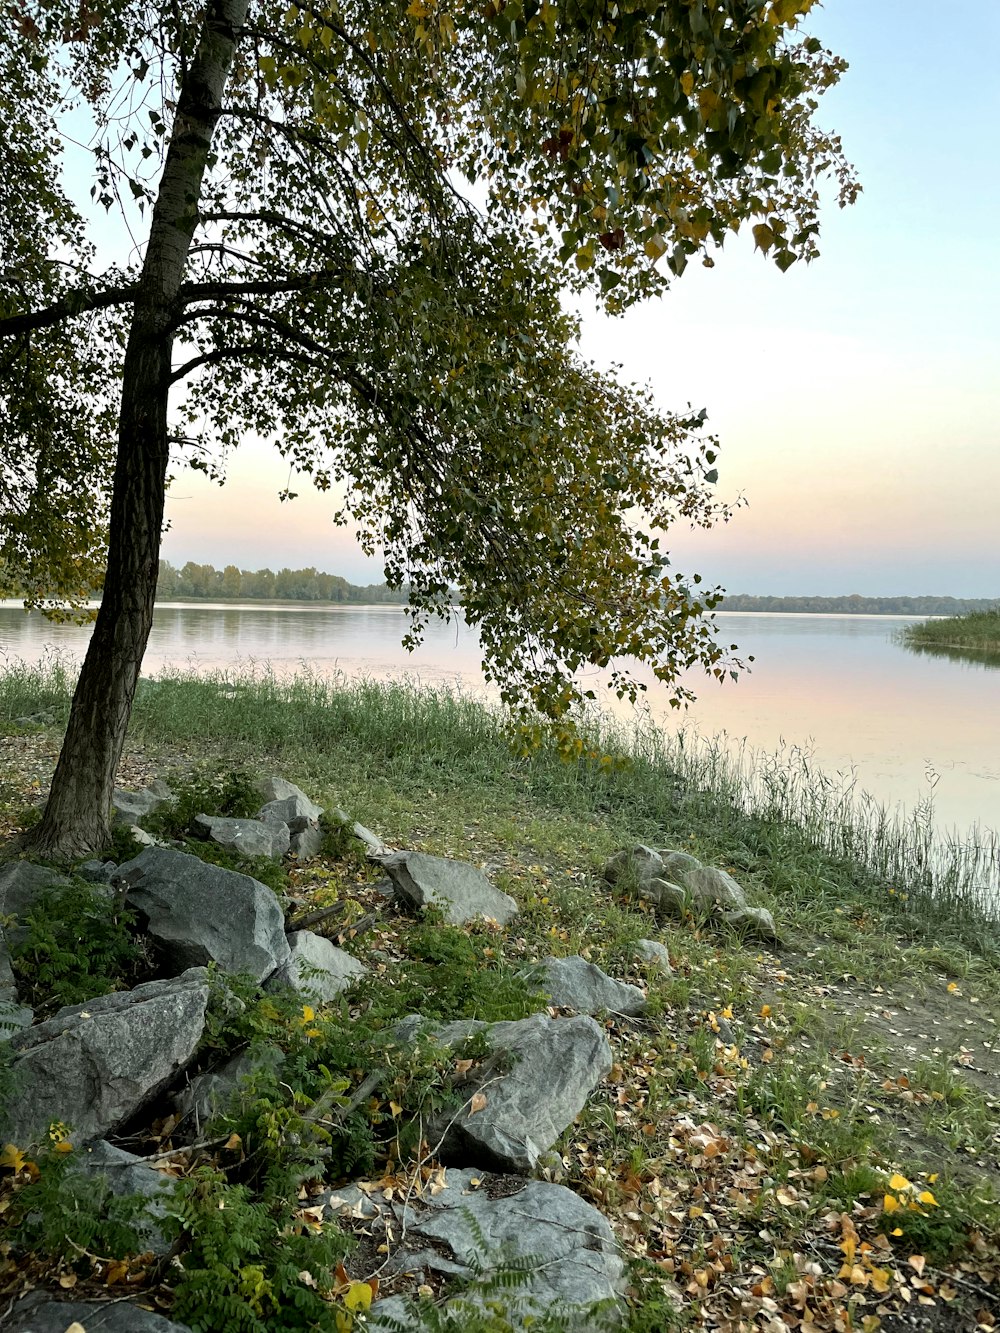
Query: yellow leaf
(898, 1182)
(477, 1104)
(953, 988)
(308, 1013)
(358, 1296)
(925, 1196)
(655, 247)
(890, 1203)
(233, 1142)
(765, 1011)
(763, 236)
(396, 1110)
(63, 1145)
(687, 82)
(12, 1157)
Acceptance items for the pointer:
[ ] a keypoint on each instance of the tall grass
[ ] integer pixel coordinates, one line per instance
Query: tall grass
(776, 815)
(979, 630)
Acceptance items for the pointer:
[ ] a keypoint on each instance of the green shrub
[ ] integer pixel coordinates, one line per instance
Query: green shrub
(79, 943)
(233, 795)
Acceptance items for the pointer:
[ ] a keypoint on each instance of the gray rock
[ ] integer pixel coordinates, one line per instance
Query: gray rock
(129, 807)
(677, 864)
(278, 789)
(95, 1064)
(465, 1230)
(8, 982)
(575, 983)
(22, 884)
(290, 809)
(119, 1173)
(667, 897)
(459, 890)
(637, 864)
(711, 888)
(39, 1313)
(654, 953)
(248, 837)
(145, 839)
(316, 968)
(306, 841)
(210, 1094)
(753, 921)
(97, 872)
(14, 1017)
(535, 1080)
(199, 913)
(375, 845)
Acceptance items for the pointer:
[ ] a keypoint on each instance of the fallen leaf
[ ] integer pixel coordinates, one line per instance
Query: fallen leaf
(477, 1103)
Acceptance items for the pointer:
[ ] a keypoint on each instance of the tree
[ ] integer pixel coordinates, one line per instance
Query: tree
(358, 222)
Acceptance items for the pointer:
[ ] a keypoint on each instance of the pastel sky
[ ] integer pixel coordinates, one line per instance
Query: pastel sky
(857, 398)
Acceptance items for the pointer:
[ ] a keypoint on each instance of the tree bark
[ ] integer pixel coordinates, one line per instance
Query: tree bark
(76, 818)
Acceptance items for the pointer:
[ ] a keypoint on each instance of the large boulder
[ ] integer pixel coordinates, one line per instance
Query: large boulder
(246, 837)
(477, 1228)
(531, 1085)
(317, 969)
(710, 888)
(199, 913)
(93, 1065)
(457, 889)
(40, 1313)
(575, 983)
(636, 865)
(112, 1171)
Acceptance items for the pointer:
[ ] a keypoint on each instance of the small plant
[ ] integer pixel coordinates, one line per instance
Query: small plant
(55, 1210)
(233, 795)
(450, 975)
(77, 943)
(250, 1266)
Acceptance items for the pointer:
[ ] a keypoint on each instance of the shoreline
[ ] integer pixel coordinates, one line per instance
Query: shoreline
(860, 1049)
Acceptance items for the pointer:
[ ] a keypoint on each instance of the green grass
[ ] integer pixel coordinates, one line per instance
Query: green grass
(979, 630)
(867, 904)
(809, 844)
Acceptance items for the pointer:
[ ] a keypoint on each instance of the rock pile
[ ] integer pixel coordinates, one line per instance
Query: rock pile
(95, 1066)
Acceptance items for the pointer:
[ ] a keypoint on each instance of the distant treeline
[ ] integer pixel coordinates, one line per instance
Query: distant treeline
(193, 581)
(864, 606)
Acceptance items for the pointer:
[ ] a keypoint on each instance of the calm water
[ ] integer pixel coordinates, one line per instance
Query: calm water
(905, 723)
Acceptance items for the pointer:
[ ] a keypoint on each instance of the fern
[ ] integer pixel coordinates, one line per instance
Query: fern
(77, 943)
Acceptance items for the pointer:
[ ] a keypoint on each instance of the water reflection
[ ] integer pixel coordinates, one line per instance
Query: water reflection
(904, 725)
(986, 658)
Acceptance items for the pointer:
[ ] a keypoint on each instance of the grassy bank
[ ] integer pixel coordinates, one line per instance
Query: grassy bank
(750, 1143)
(979, 630)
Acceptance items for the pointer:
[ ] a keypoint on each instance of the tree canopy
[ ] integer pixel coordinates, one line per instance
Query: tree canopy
(354, 227)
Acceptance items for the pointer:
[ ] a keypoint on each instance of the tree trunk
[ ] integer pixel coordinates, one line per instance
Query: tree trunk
(76, 818)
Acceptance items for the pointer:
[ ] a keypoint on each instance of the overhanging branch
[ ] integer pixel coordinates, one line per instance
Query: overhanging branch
(80, 302)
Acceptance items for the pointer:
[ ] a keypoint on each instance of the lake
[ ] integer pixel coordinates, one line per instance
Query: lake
(906, 724)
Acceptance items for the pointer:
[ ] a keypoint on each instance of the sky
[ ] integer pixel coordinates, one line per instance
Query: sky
(857, 399)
